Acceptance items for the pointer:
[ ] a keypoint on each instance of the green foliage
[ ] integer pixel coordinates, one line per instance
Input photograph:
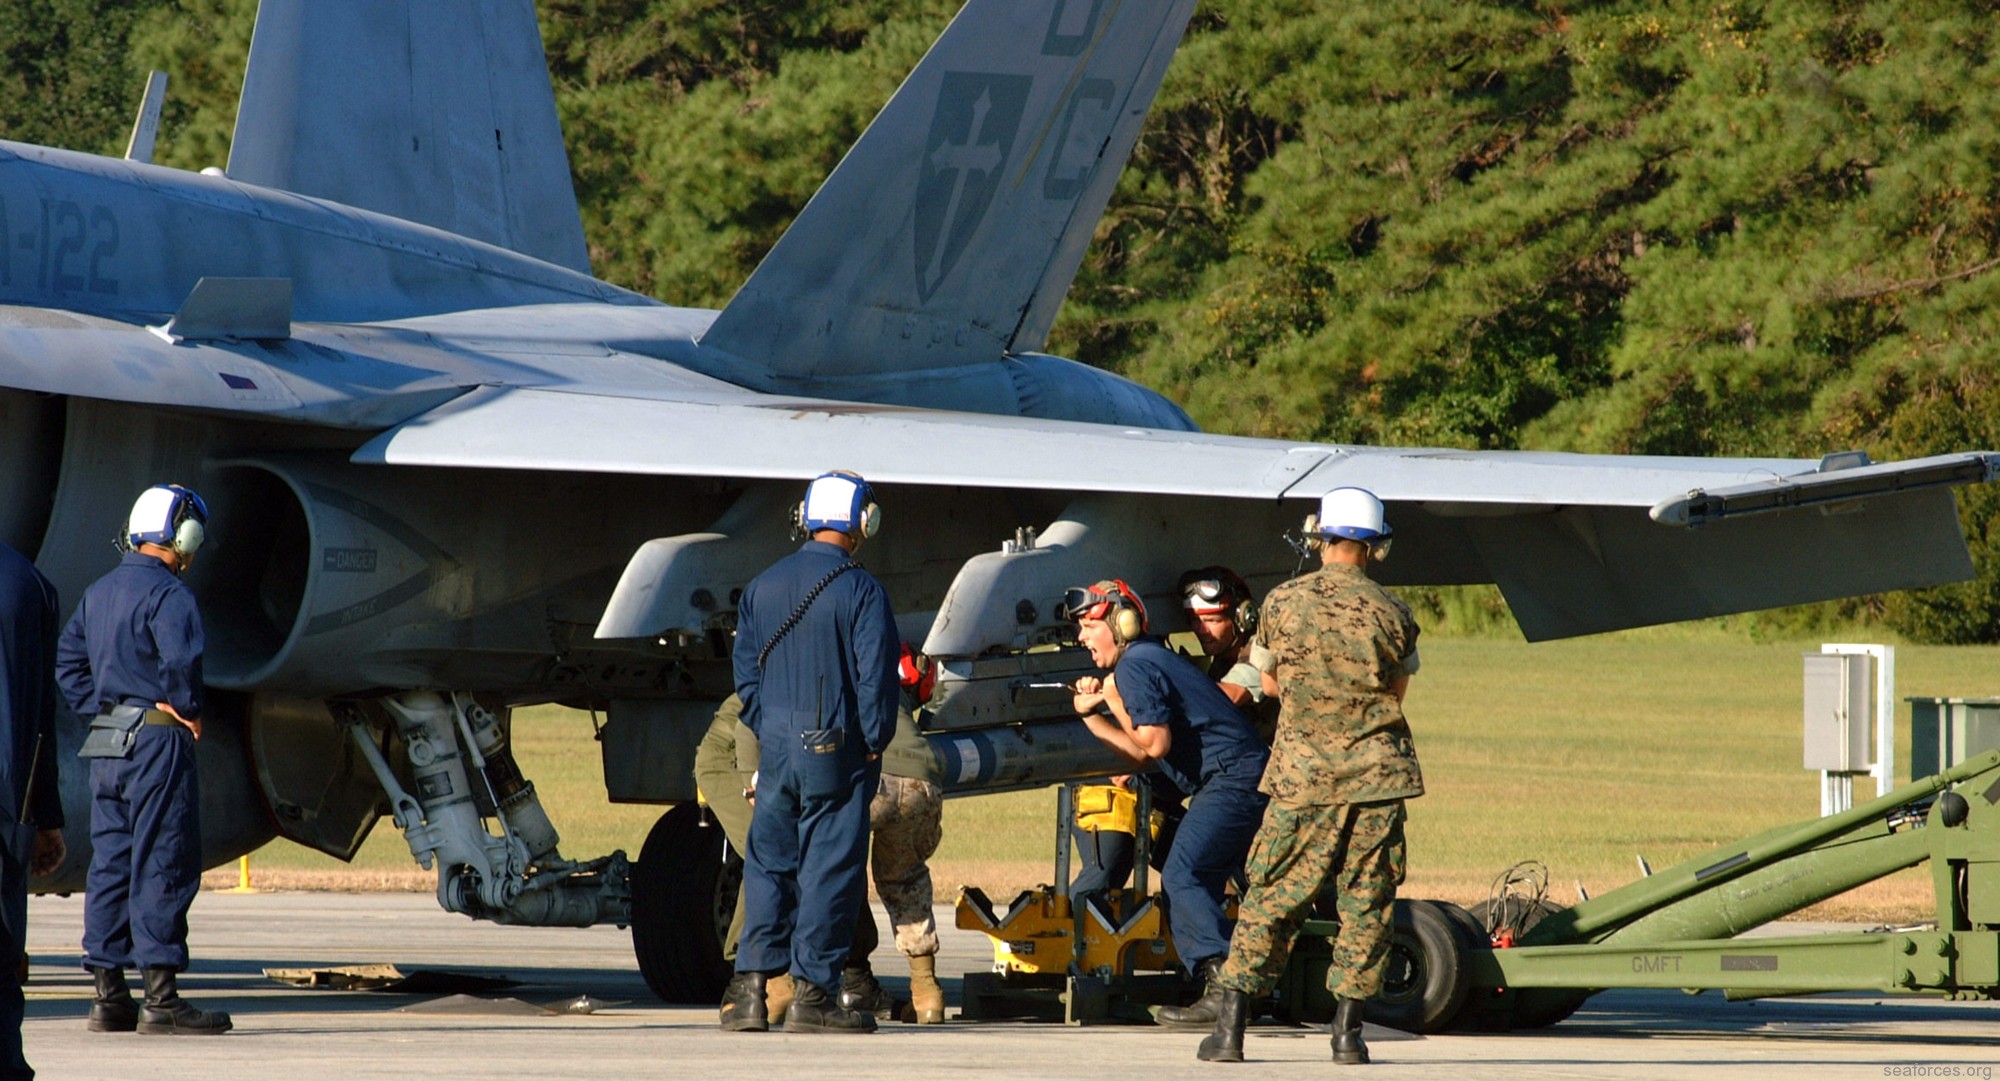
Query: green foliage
(1678, 227)
(65, 76)
(202, 45)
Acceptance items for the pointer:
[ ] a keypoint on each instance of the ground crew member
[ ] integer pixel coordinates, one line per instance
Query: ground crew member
(1223, 615)
(31, 841)
(130, 660)
(1340, 770)
(1156, 707)
(906, 823)
(1222, 612)
(815, 665)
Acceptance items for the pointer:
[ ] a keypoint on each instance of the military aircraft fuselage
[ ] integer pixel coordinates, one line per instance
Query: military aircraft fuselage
(325, 578)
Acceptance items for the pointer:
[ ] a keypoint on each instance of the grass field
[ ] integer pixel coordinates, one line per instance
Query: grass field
(1580, 754)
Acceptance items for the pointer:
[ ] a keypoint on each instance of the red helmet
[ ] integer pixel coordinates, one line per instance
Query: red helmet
(917, 674)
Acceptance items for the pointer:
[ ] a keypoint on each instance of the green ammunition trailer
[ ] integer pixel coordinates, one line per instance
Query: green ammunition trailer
(1677, 928)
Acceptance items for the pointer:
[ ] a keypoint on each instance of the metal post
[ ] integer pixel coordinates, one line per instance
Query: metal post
(1065, 820)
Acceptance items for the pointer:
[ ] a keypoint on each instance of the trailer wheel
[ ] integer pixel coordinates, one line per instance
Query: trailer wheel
(1526, 1007)
(1427, 979)
(683, 895)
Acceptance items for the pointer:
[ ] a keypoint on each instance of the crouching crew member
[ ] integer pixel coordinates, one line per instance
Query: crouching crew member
(815, 665)
(1340, 770)
(1155, 707)
(906, 821)
(130, 660)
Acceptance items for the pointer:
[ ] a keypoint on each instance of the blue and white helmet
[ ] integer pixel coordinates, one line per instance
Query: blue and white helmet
(840, 501)
(1352, 514)
(170, 516)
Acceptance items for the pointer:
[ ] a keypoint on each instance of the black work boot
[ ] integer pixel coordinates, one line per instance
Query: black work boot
(860, 990)
(813, 1010)
(167, 1014)
(1232, 1016)
(1348, 1050)
(743, 1004)
(1199, 1015)
(113, 1009)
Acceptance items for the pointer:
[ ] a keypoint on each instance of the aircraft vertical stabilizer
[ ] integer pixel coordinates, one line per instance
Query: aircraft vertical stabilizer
(953, 228)
(438, 112)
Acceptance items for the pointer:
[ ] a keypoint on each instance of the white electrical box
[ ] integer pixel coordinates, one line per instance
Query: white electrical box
(1840, 711)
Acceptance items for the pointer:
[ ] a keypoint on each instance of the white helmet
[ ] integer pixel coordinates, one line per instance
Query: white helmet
(168, 515)
(841, 501)
(1352, 514)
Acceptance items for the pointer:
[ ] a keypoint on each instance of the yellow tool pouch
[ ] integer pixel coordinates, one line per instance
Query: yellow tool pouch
(1101, 807)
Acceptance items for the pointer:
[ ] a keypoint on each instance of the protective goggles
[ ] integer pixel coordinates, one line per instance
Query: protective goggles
(1207, 595)
(1084, 602)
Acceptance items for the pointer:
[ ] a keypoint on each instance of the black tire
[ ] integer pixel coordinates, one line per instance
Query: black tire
(683, 895)
(1527, 1007)
(1471, 932)
(1515, 908)
(1427, 979)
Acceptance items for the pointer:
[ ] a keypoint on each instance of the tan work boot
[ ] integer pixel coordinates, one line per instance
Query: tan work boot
(778, 994)
(926, 1005)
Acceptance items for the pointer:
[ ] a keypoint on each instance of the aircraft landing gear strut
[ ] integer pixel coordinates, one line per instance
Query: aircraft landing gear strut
(463, 772)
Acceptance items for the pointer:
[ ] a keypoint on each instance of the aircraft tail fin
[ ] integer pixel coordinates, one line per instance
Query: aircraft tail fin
(440, 112)
(952, 229)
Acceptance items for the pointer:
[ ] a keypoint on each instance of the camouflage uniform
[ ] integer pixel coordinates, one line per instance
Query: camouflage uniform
(724, 762)
(905, 819)
(1341, 767)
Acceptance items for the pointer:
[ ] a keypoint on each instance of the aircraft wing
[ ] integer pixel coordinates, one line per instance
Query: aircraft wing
(1578, 543)
(769, 436)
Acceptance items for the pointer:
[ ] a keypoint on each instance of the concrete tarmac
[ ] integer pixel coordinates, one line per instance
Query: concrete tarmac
(288, 1033)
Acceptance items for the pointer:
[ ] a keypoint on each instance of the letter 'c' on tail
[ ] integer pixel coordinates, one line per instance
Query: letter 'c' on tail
(951, 231)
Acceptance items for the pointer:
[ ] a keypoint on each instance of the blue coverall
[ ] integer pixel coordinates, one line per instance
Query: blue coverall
(835, 671)
(136, 639)
(1215, 756)
(28, 618)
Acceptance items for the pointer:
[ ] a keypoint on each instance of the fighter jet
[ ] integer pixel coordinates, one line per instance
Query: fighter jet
(453, 473)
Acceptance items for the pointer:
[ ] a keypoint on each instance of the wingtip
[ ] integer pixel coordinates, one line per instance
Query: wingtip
(1678, 510)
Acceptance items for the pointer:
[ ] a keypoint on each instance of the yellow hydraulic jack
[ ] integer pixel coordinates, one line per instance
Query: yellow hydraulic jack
(1081, 960)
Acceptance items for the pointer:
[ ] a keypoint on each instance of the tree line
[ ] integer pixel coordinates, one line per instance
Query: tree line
(1706, 228)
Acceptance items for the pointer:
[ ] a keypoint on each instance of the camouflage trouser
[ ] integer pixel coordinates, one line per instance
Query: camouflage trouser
(907, 819)
(720, 781)
(1357, 850)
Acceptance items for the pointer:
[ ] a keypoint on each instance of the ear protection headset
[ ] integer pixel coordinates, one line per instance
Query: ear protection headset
(1216, 589)
(1112, 601)
(168, 515)
(839, 500)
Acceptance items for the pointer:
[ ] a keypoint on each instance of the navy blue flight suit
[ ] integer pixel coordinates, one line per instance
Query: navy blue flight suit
(136, 639)
(832, 681)
(28, 620)
(1215, 757)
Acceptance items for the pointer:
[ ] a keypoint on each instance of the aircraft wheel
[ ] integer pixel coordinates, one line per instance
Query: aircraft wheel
(1427, 979)
(683, 895)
